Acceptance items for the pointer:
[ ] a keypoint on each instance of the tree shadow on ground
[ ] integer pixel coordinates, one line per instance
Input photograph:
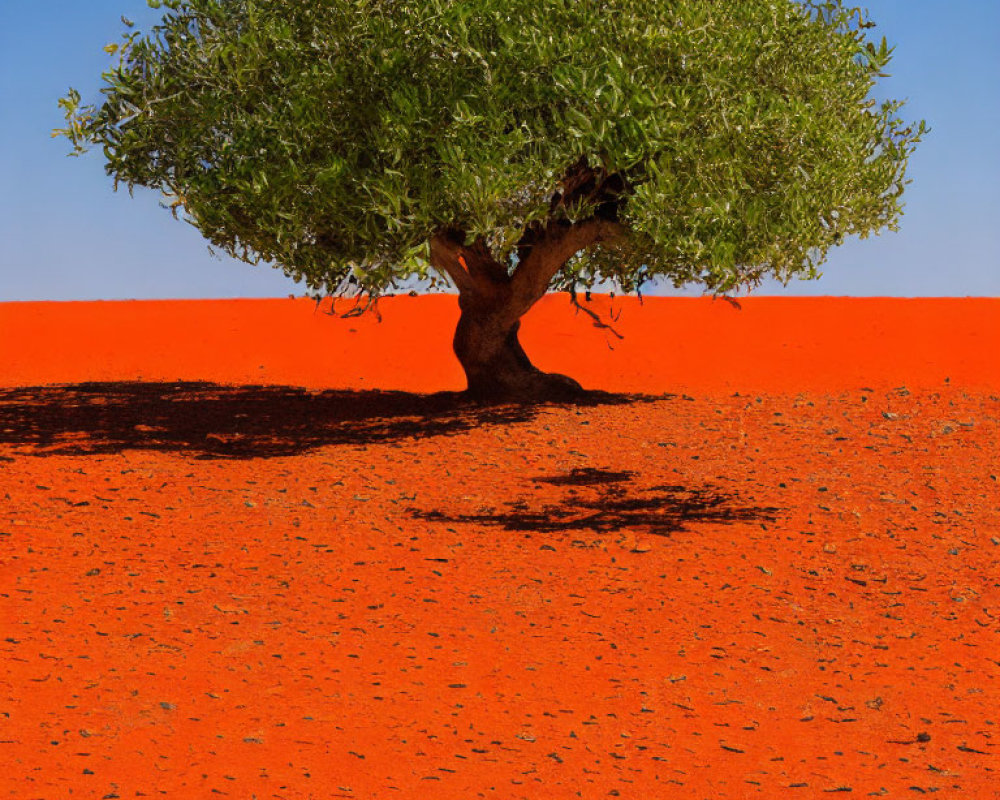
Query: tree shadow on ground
(239, 422)
(598, 501)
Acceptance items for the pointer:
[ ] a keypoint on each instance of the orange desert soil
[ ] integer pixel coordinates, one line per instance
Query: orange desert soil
(246, 552)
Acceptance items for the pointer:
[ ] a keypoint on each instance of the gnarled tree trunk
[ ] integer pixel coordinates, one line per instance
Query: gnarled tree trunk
(493, 300)
(496, 366)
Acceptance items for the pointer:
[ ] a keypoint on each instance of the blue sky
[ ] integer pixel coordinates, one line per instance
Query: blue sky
(65, 235)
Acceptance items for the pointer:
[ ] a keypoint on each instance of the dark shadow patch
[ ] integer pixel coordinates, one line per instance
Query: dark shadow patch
(659, 510)
(587, 476)
(217, 421)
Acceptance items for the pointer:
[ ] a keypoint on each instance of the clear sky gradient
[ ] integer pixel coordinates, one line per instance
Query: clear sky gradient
(65, 235)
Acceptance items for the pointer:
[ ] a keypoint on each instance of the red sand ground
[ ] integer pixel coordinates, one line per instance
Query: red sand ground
(780, 579)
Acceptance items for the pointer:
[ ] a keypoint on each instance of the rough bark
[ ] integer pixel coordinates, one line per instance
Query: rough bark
(496, 366)
(492, 302)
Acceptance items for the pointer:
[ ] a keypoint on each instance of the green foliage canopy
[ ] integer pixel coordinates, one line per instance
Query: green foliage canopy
(335, 137)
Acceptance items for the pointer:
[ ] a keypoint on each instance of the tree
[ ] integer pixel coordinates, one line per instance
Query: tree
(509, 147)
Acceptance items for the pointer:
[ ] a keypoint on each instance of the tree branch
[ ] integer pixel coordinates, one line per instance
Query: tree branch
(483, 267)
(446, 250)
(550, 249)
(472, 268)
(598, 322)
(583, 183)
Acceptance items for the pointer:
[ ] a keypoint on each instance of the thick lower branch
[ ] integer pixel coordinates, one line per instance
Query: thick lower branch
(549, 252)
(446, 252)
(471, 268)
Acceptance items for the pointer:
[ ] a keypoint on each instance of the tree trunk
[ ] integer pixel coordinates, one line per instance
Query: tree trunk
(496, 366)
(493, 301)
